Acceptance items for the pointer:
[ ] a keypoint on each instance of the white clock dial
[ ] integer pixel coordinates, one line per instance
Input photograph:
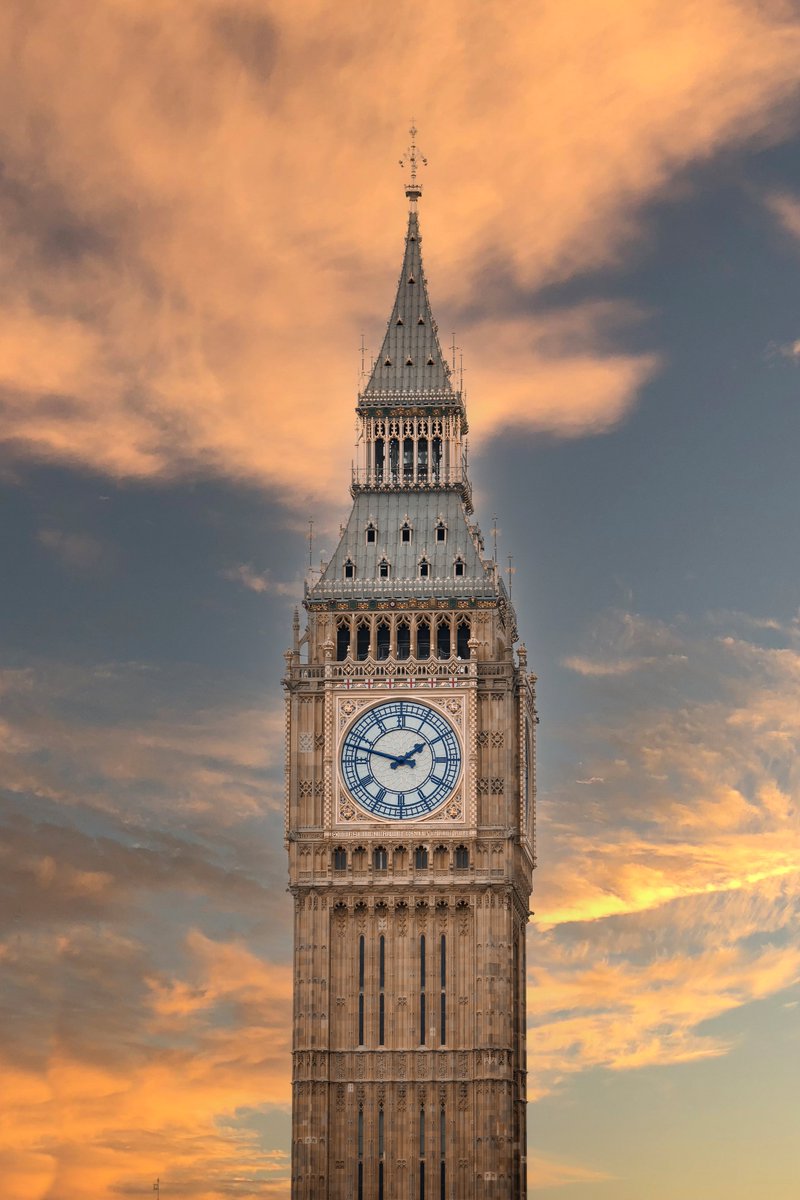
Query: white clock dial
(400, 760)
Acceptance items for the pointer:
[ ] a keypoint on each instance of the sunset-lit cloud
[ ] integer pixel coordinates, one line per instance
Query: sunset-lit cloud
(191, 219)
(201, 211)
(686, 858)
(671, 900)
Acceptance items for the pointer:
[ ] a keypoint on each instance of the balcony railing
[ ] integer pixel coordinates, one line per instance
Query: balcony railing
(373, 480)
(400, 589)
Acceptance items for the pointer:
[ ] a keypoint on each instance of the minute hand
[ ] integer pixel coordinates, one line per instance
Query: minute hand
(394, 759)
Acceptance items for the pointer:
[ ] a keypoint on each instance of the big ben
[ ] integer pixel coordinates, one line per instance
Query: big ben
(409, 811)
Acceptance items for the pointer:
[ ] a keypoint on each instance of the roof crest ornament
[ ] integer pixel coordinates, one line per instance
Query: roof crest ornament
(413, 158)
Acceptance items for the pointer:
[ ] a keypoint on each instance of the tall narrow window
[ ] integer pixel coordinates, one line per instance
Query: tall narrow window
(422, 1014)
(421, 858)
(372, 533)
(340, 859)
(381, 986)
(403, 640)
(443, 990)
(361, 959)
(349, 569)
(462, 858)
(424, 568)
(360, 1154)
(362, 641)
(443, 638)
(436, 458)
(380, 859)
(458, 568)
(379, 460)
(462, 638)
(422, 1154)
(394, 458)
(380, 1153)
(408, 458)
(422, 459)
(405, 532)
(342, 640)
(442, 1155)
(441, 532)
(423, 639)
(384, 569)
(382, 641)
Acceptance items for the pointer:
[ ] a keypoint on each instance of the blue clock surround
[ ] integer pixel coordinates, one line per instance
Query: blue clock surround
(400, 760)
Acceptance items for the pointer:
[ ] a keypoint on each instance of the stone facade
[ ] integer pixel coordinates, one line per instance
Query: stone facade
(409, 935)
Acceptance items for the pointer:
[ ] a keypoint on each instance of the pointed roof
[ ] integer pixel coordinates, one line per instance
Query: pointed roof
(410, 358)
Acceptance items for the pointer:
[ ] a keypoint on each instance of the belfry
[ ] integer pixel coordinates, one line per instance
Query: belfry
(409, 811)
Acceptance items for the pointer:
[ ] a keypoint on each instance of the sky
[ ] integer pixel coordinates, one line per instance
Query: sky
(202, 212)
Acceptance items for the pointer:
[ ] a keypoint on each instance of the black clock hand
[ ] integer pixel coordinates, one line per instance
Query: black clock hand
(394, 759)
(404, 760)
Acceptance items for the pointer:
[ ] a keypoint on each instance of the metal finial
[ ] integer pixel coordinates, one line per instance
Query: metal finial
(413, 159)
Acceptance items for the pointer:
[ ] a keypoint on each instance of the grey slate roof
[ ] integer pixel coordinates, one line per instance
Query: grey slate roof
(410, 358)
(388, 510)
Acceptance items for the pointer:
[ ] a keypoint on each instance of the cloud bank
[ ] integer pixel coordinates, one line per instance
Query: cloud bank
(196, 204)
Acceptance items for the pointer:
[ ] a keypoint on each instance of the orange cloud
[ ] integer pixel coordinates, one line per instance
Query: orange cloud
(198, 227)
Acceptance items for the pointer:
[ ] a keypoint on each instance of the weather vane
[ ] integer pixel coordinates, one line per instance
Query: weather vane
(412, 158)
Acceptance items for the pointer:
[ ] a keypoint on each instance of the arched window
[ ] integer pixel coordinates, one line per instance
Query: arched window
(384, 568)
(362, 640)
(403, 639)
(359, 858)
(436, 458)
(462, 638)
(372, 533)
(380, 859)
(424, 568)
(349, 569)
(379, 453)
(443, 638)
(382, 640)
(440, 858)
(422, 458)
(408, 457)
(441, 531)
(423, 639)
(458, 567)
(340, 859)
(342, 640)
(462, 858)
(421, 858)
(406, 531)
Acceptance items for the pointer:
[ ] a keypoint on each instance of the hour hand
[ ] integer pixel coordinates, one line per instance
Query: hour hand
(405, 760)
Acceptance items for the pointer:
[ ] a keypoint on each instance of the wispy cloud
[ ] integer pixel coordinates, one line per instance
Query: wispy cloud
(674, 893)
(75, 550)
(256, 581)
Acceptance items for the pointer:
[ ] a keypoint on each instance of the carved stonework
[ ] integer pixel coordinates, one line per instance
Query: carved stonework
(384, 1021)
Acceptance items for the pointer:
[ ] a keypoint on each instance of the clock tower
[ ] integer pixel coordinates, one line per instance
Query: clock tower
(409, 812)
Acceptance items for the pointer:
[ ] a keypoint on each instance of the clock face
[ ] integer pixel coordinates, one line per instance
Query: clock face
(401, 760)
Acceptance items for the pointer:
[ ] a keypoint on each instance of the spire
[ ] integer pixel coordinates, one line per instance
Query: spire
(410, 358)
